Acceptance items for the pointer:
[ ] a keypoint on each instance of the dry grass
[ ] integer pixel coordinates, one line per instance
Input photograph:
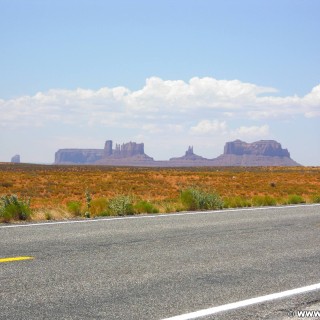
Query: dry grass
(52, 187)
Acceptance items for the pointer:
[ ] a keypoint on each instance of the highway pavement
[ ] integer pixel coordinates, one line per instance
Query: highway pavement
(161, 266)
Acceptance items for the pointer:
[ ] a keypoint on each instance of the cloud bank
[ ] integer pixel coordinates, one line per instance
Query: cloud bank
(199, 107)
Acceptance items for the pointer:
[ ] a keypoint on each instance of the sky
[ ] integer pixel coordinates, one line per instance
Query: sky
(169, 73)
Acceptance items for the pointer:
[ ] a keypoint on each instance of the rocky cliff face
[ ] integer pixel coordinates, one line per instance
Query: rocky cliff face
(269, 148)
(127, 150)
(127, 154)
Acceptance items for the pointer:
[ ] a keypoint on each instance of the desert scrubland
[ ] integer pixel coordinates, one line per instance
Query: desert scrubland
(57, 192)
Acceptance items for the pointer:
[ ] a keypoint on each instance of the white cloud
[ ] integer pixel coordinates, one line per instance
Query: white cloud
(159, 102)
(151, 128)
(220, 128)
(170, 128)
(158, 94)
(252, 132)
(312, 100)
(209, 127)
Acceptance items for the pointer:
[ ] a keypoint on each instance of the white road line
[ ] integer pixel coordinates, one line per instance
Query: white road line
(167, 215)
(245, 303)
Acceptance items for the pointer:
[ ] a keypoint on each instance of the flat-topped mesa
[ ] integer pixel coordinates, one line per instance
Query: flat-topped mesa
(78, 156)
(260, 153)
(269, 148)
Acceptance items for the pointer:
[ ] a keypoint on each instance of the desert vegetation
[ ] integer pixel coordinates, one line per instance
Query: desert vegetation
(58, 192)
(11, 208)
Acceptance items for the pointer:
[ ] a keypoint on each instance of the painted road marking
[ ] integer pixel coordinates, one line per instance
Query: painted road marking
(245, 303)
(167, 215)
(12, 259)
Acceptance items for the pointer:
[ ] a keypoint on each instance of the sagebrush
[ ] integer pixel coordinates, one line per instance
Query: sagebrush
(121, 205)
(197, 199)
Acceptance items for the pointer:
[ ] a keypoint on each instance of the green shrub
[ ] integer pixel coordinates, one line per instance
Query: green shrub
(295, 199)
(11, 208)
(121, 205)
(196, 199)
(74, 207)
(265, 200)
(105, 213)
(145, 207)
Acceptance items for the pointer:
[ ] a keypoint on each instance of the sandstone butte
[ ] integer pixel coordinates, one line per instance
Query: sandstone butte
(236, 153)
(15, 159)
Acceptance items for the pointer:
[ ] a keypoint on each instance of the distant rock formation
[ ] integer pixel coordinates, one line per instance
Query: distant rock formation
(236, 153)
(240, 153)
(260, 153)
(126, 150)
(78, 156)
(260, 148)
(189, 155)
(132, 151)
(15, 159)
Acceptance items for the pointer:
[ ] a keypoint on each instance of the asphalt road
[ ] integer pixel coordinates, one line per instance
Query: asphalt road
(155, 267)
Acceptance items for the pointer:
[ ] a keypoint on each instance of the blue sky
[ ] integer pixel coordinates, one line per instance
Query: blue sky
(169, 73)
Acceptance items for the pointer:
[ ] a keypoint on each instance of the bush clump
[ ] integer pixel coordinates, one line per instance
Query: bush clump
(295, 199)
(196, 199)
(11, 208)
(74, 207)
(121, 205)
(145, 207)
